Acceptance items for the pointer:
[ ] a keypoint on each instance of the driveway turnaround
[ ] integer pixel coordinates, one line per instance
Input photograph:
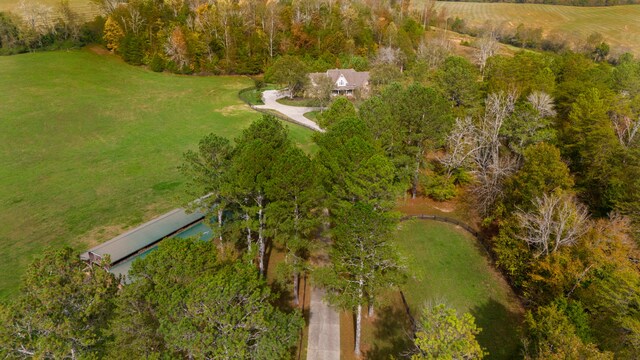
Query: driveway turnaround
(295, 113)
(324, 329)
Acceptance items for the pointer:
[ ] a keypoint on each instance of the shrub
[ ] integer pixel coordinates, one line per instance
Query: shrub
(439, 187)
(157, 63)
(259, 83)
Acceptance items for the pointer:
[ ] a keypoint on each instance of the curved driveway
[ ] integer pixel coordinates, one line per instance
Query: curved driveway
(295, 113)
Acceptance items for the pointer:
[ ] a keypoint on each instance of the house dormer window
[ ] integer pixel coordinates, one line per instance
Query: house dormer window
(342, 81)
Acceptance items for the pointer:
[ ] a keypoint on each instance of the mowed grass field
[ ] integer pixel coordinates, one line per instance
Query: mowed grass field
(89, 146)
(447, 264)
(619, 25)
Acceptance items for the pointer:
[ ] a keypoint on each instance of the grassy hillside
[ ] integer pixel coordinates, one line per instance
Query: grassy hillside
(89, 146)
(83, 7)
(618, 24)
(445, 263)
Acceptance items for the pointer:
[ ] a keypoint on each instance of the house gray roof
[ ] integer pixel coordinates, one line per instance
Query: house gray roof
(355, 79)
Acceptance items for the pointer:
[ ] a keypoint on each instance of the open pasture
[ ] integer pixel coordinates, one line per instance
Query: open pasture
(618, 24)
(89, 146)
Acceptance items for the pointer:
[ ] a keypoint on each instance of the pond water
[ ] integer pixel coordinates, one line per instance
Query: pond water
(199, 229)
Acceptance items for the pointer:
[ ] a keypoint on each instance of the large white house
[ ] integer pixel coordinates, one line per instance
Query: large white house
(346, 81)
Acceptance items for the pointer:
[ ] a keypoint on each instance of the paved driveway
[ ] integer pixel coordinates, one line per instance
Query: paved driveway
(295, 113)
(324, 329)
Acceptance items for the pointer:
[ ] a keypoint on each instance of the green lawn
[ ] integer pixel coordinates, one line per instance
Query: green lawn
(446, 263)
(254, 96)
(89, 146)
(312, 115)
(618, 24)
(298, 102)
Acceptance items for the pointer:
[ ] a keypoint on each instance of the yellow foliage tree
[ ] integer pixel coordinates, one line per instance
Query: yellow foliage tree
(112, 34)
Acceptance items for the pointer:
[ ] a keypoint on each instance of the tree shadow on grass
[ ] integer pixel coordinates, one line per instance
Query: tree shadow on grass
(501, 330)
(392, 331)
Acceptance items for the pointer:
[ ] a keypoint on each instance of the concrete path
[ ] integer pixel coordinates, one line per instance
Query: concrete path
(295, 113)
(324, 329)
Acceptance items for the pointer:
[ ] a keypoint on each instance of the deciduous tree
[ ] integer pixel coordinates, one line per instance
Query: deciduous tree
(289, 71)
(443, 334)
(321, 90)
(112, 34)
(487, 46)
(459, 80)
(552, 336)
(478, 145)
(556, 221)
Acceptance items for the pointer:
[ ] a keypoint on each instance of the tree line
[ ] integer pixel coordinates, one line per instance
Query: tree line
(232, 37)
(246, 37)
(36, 26)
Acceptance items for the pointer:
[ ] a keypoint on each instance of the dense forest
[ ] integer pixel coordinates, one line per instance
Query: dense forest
(545, 146)
(245, 37)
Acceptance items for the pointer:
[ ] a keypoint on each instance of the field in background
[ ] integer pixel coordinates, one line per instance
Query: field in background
(89, 146)
(618, 24)
(83, 7)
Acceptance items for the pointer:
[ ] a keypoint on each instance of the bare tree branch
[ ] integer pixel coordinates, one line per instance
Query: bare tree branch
(558, 220)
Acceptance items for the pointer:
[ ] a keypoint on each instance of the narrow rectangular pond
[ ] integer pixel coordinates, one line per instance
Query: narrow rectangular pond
(199, 229)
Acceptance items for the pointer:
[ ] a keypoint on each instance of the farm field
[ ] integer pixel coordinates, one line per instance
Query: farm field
(90, 146)
(618, 24)
(445, 263)
(83, 7)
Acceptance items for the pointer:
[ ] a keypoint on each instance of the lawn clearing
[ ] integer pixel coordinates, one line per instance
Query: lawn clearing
(446, 263)
(312, 115)
(89, 146)
(618, 24)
